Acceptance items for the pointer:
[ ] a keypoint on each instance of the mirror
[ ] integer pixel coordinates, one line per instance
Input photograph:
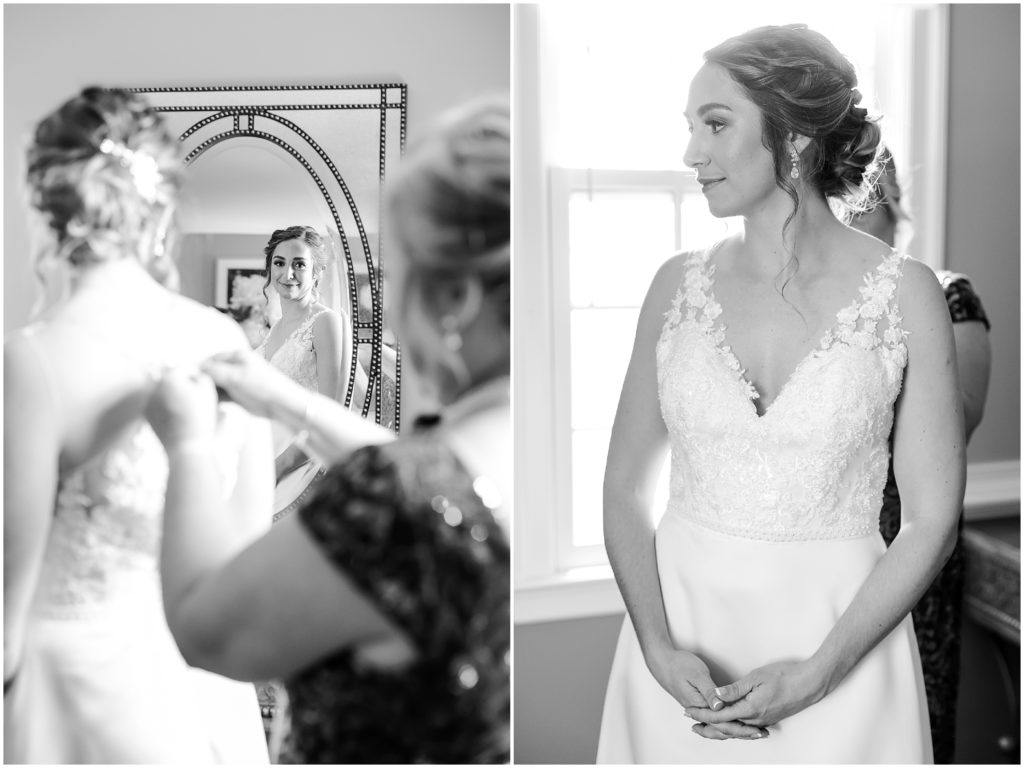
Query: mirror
(265, 158)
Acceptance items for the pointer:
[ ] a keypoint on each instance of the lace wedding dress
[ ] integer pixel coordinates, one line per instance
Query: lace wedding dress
(770, 530)
(101, 679)
(296, 358)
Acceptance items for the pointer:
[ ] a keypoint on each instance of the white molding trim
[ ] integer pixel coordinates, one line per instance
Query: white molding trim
(590, 592)
(577, 594)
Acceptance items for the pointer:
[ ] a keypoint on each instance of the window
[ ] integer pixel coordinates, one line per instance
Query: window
(603, 199)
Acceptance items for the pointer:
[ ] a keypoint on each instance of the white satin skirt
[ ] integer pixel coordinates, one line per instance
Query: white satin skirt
(739, 604)
(112, 687)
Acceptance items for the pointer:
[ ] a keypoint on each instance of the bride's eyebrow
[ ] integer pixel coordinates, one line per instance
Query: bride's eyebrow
(703, 109)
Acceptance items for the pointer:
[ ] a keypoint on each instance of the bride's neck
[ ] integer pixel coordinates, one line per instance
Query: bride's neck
(296, 309)
(117, 275)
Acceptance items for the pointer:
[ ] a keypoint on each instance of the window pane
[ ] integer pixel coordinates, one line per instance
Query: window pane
(699, 228)
(589, 451)
(602, 340)
(617, 241)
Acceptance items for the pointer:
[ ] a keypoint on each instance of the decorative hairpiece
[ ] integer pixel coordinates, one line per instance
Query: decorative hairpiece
(144, 169)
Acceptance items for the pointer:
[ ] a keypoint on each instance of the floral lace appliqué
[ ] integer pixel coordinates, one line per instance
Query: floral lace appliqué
(814, 465)
(296, 357)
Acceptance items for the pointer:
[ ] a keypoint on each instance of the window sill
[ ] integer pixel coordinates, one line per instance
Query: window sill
(993, 490)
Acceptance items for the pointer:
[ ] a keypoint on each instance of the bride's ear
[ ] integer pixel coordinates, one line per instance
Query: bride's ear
(799, 141)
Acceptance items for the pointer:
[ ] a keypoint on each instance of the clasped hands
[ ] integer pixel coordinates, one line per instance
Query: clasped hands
(745, 708)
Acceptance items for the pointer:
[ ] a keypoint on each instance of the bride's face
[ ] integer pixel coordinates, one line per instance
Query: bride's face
(735, 170)
(291, 269)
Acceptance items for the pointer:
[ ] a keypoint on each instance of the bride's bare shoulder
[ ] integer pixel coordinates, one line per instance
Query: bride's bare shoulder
(205, 329)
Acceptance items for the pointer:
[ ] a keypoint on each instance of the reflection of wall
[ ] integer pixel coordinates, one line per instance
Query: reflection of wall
(197, 256)
(445, 53)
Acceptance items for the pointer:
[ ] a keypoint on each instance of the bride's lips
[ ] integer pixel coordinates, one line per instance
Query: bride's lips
(706, 184)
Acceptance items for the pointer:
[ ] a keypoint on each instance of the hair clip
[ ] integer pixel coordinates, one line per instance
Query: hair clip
(144, 169)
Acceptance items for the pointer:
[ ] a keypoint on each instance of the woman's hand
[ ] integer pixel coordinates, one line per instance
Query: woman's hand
(765, 696)
(183, 408)
(252, 382)
(687, 679)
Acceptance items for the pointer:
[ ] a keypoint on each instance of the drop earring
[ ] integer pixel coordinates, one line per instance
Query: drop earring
(794, 156)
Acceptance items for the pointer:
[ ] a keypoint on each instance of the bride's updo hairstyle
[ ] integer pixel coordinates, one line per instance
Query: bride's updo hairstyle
(450, 204)
(104, 172)
(309, 236)
(802, 84)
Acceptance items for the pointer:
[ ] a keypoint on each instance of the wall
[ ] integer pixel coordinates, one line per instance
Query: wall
(983, 200)
(561, 667)
(445, 53)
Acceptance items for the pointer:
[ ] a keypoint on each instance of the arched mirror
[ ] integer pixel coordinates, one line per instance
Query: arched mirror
(265, 158)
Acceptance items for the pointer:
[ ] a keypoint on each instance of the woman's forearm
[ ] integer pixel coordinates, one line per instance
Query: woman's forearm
(891, 590)
(199, 535)
(629, 540)
(333, 431)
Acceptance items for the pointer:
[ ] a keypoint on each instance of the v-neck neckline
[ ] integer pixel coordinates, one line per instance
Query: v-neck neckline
(287, 338)
(718, 333)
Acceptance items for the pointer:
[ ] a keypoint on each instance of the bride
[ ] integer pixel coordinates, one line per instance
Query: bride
(764, 606)
(91, 672)
(310, 343)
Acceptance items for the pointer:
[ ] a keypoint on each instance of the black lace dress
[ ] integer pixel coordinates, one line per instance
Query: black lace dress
(937, 616)
(413, 530)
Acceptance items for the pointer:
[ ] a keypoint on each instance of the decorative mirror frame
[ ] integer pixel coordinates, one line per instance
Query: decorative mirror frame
(282, 115)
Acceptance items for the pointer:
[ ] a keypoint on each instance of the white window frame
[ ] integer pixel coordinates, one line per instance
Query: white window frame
(553, 580)
(563, 183)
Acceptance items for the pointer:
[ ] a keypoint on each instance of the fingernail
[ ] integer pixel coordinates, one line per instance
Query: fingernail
(717, 704)
(719, 691)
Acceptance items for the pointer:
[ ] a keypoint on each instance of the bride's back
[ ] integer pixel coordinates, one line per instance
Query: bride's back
(101, 352)
(99, 356)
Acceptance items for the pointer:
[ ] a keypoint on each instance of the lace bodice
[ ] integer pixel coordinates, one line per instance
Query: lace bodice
(104, 543)
(296, 356)
(814, 465)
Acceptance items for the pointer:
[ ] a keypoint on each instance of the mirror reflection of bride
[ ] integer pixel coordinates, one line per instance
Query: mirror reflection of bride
(310, 343)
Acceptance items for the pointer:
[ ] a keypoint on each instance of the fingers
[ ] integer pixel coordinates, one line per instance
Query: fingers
(736, 691)
(731, 729)
(741, 711)
(706, 686)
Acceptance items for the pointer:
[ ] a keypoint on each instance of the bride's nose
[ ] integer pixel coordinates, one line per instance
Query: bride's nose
(694, 154)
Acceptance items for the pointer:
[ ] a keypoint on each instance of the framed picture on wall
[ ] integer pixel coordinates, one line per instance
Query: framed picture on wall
(226, 272)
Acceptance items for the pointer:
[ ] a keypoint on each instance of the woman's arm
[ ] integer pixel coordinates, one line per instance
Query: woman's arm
(974, 362)
(928, 455)
(266, 611)
(31, 456)
(329, 346)
(636, 455)
(333, 431)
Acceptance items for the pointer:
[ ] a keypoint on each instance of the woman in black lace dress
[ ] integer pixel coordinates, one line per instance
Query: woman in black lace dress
(937, 615)
(384, 602)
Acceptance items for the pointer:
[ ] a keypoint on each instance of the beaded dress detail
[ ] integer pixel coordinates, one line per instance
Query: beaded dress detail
(419, 537)
(770, 530)
(296, 357)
